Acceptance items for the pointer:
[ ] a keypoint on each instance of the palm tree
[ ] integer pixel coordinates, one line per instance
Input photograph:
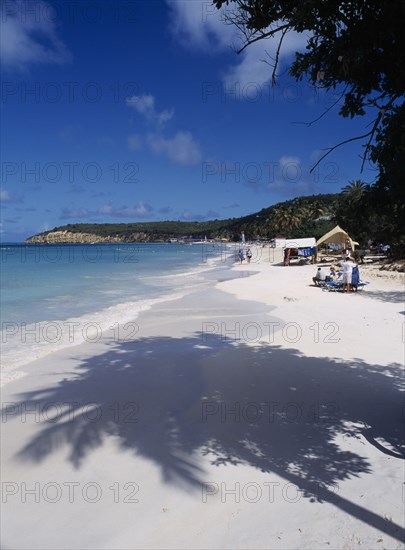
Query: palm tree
(277, 219)
(305, 214)
(286, 219)
(317, 211)
(294, 219)
(354, 190)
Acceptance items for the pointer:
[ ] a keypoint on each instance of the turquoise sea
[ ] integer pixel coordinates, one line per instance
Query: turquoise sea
(48, 289)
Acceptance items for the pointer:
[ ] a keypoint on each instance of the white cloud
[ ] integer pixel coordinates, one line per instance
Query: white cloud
(139, 210)
(200, 26)
(106, 209)
(28, 35)
(75, 213)
(5, 196)
(250, 68)
(254, 64)
(288, 172)
(188, 215)
(290, 178)
(181, 149)
(316, 154)
(145, 105)
(285, 161)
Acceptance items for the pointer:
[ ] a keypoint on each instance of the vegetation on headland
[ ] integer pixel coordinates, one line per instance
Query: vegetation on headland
(300, 217)
(297, 217)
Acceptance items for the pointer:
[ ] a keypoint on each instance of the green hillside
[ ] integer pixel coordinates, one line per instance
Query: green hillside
(302, 216)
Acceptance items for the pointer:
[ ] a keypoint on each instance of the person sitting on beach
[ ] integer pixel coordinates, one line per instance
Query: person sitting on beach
(319, 277)
(332, 275)
(347, 267)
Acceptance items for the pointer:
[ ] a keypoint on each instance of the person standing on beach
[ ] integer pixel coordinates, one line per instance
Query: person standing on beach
(355, 277)
(241, 256)
(347, 267)
(248, 255)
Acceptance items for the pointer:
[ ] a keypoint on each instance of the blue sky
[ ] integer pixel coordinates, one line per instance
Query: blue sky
(133, 111)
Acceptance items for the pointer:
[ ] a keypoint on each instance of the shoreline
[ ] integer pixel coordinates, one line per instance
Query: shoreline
(278, 438)
(47, 336)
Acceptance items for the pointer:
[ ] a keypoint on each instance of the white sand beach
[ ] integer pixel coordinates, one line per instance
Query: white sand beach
(259, 412)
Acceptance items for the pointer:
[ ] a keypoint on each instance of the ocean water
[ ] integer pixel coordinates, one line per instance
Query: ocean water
(53, 296)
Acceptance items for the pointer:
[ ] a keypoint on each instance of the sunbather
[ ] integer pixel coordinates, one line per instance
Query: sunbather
(332, 275)
(319, 277)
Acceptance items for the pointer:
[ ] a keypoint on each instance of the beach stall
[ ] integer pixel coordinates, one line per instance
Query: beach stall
(302, 249)
(339, 238)
(278, 241)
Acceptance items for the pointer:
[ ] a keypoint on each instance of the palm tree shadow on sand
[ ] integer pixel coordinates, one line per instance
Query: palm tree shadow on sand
(173, 400)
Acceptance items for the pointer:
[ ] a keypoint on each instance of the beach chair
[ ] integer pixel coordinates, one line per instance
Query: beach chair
(362, 284)
(357, 283)
(337, 286)
(332, 286)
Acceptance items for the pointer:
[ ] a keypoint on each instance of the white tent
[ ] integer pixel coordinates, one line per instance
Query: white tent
(337, 236)
(308, 242)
